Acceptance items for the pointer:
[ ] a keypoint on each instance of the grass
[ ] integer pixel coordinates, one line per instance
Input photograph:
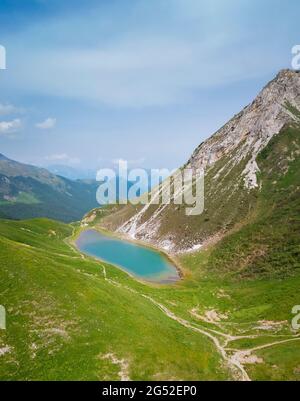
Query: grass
(62, 316)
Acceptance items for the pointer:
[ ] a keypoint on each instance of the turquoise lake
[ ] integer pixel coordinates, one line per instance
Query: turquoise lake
(139, 261)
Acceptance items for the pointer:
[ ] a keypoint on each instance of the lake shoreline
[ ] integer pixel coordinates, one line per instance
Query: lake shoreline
(169, 258)
(144, 244)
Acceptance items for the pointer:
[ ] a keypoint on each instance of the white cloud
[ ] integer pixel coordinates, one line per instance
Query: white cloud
(7, 108)
(47, 124)
(163, 54)
(62, 158)
(203, 47)
(10, 127)
(142, 72)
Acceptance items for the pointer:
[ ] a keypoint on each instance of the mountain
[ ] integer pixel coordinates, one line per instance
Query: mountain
(72, 173)
(27, 191)
(245, 163)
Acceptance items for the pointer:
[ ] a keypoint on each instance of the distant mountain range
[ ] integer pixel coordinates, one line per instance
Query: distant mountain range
(27, 191)
(72, 173)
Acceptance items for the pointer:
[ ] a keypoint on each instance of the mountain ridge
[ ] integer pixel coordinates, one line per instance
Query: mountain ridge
(232, 175)
(260, 120)
(28, 191)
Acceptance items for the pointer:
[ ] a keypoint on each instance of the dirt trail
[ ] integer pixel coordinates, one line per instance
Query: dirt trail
(235, 365)
(235, 361)
(259, 347)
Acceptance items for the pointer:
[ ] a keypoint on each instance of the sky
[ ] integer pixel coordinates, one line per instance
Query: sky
(90, 82)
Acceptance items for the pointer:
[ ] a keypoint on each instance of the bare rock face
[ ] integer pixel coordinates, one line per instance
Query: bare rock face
(229, 161)
(253, 127)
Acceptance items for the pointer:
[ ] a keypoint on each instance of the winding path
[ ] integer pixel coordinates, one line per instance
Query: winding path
(234, 361)
(234, 364)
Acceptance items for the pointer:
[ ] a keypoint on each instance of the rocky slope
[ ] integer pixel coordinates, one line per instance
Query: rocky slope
(251, 130)
(232, 175)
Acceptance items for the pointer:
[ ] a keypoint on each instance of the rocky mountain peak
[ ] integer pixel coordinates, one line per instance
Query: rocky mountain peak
(247, 133)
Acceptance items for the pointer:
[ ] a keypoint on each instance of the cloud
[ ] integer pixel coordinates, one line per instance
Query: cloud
(171, 50)
(62, 158)
(47, 124)
(6, 109)
(10, 127)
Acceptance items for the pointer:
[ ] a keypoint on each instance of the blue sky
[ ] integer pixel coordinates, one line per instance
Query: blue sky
(90, 82)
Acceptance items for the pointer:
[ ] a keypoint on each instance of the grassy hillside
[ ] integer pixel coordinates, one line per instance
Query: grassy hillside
(70, 317)
(65, 321)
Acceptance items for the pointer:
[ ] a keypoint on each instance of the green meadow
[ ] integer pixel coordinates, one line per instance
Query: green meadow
(71, 317)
